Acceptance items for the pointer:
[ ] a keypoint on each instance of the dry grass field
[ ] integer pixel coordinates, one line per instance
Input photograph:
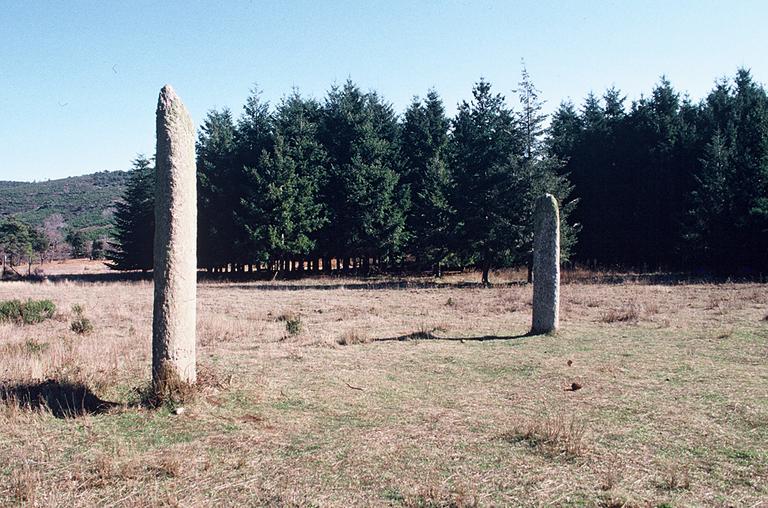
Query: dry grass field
(395, 397)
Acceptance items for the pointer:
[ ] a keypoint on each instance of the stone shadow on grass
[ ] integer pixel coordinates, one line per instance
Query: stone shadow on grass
(62, 399)
(424, 335)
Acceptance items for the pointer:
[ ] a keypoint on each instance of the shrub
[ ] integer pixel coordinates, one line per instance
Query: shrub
(293, 325)
(292, 322)
(81, 325)
(28, 313)
(35, 347)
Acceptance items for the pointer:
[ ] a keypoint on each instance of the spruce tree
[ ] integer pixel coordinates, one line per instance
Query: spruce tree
(281, 204)
(424, 152)
(254, 141)
(218, 193)
(134, 221)
(728, 206)
(365, 202)
(545, 173)
(488, 191)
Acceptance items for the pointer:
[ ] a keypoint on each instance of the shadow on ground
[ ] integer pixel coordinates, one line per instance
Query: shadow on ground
(431, 336)
(274, 282)
(285, 282)
(63, 400)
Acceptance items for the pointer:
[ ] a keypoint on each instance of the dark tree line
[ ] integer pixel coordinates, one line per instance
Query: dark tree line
(668, 183)
(344, 184)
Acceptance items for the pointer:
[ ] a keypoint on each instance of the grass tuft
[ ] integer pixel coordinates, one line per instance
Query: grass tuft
(35, 347)
(555, 436)
(23, 486)
(434, 497)
(352, 337)
(293, 324)
(675, 477)
(81, 325)
(26, 313)
(170, 392)
(628, 314)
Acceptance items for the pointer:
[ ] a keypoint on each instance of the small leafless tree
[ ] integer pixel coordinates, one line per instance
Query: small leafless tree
(53, 227)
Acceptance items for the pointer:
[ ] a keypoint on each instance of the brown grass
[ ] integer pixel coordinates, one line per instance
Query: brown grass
(671, 409)
(630, 313)
(552, 435)
(352, 337)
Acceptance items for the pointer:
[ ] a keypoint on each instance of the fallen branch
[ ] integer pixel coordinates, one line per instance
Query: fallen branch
(354, 387)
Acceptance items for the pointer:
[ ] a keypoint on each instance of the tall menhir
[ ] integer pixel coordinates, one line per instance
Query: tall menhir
(546, 265)
(175, 270)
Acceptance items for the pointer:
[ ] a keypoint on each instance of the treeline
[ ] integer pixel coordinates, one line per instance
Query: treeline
(668, 183)
(344, 184)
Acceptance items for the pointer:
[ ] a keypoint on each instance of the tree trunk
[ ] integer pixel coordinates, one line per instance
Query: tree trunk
(366, 265)
(486, 269)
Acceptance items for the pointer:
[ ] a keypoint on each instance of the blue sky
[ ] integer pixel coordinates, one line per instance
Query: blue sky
(79, 80)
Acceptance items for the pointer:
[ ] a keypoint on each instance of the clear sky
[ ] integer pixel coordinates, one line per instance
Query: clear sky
(79, 80)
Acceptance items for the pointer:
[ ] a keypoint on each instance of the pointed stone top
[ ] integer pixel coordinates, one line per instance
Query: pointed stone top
(167, 97)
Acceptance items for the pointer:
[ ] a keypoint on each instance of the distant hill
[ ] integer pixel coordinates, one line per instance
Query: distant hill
(86, 202)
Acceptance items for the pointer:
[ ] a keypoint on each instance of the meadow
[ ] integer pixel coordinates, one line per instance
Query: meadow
(328, 392)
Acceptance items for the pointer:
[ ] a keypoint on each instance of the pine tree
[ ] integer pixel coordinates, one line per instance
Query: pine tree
(78, 243)
(564, 133)
(134, 221)
(750, 182)
(17, 241)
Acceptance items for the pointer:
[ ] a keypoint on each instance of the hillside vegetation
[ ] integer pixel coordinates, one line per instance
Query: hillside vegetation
(85, 202)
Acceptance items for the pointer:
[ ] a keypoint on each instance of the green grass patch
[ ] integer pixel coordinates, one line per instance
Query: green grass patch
(148, 430)
(289, 404)
(26, 313)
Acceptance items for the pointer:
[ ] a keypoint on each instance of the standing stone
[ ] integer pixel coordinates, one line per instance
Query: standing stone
(546, 265)
(175, 266)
